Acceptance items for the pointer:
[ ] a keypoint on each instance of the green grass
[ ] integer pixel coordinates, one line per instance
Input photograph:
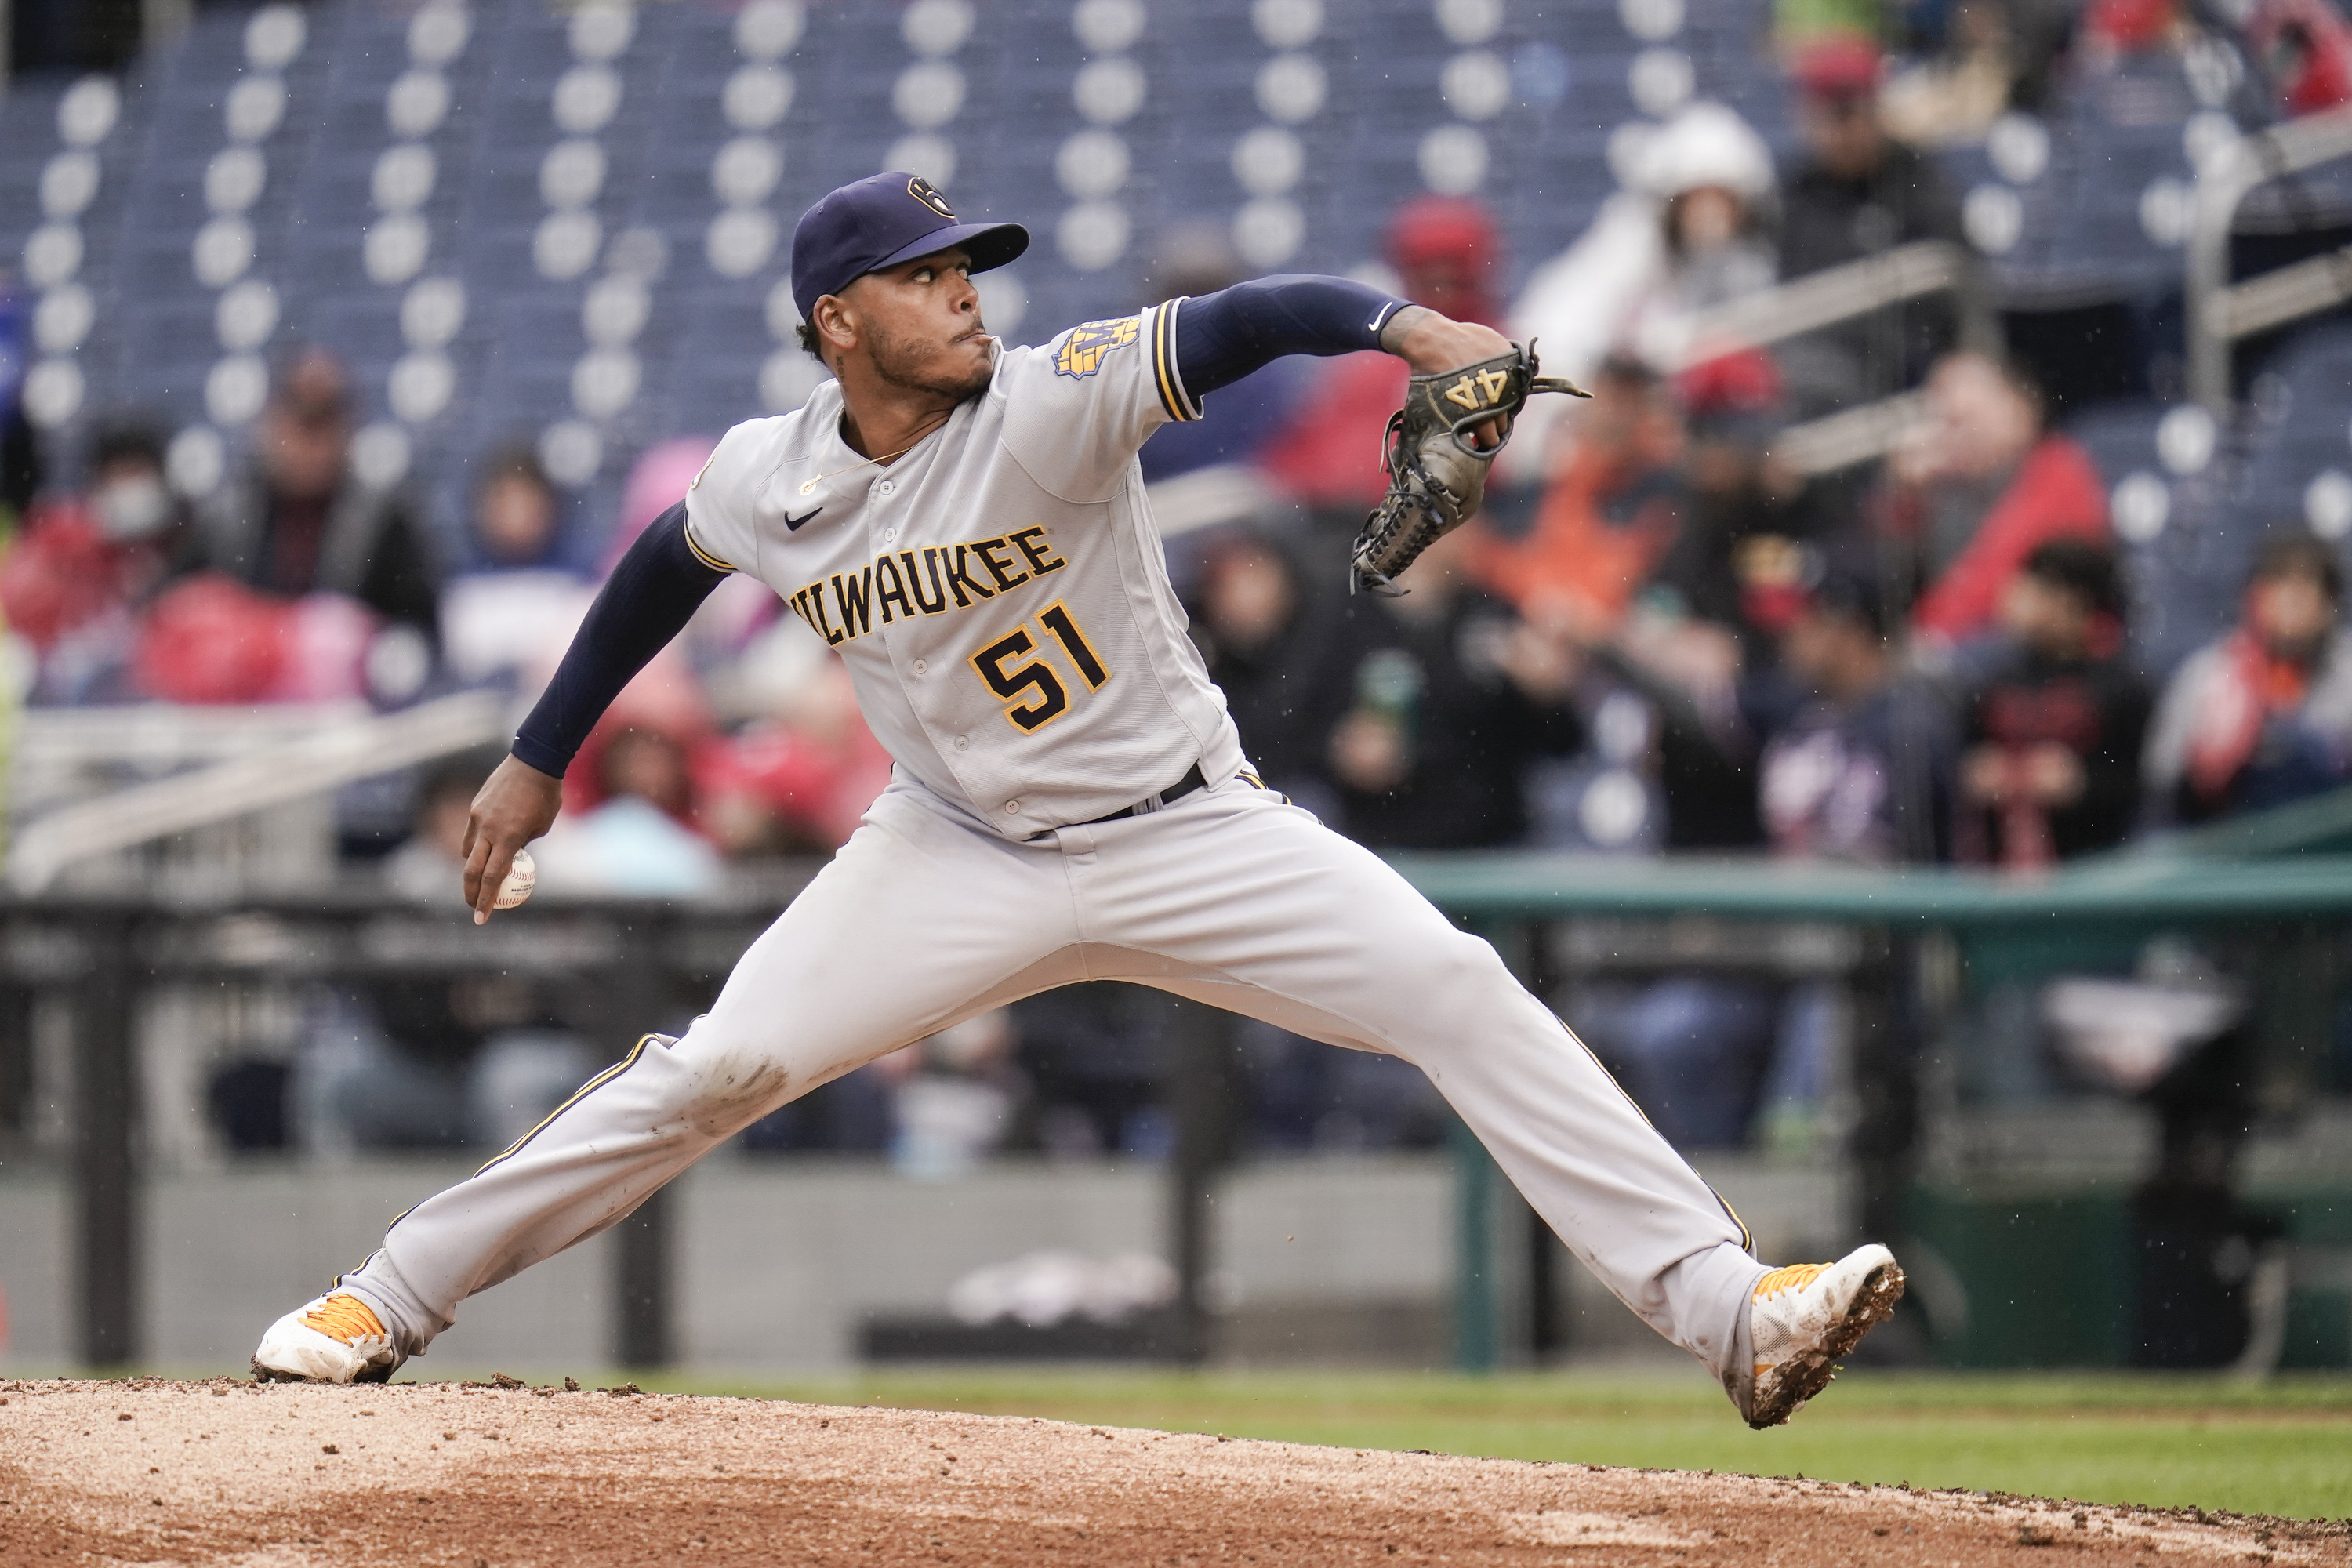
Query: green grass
(2282, 1446)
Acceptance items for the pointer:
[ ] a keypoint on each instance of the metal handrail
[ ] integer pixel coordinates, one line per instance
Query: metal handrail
(327, 758)
(2220, 313)
(1850, 436)
(1824, 299)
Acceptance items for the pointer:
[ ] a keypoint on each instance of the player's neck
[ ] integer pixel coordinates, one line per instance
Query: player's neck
(880, 423)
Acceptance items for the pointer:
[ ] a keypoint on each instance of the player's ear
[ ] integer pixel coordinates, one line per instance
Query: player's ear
(835, 322)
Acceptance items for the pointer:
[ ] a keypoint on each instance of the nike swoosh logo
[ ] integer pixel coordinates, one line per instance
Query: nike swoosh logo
(793, 523)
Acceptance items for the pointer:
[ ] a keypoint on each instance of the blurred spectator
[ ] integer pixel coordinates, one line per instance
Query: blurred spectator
(1242, 420)
(1307, 1095)
(1797, 24)
(636, 839)
(954, 1097)
(1865, 769)
(1095, 1054)
(1609, 515)
(210, 638)
(1976, 488)
(82, 567)
(657, 481)
(1449, 706)
(852, 1114)
(1447, 256)
(1739, 557)
(409, 1063)
(1858, 192)
(516, 514)
(1691, 231)
(1623, 566)
(20, 454)
(1284, 656)
(1952, 98)
(1862, 772)
(511, 608)
(2264, 716)
(428, 864)
(2304, 47)
(2054, 735)
(1692, 1050)
(299, 524)
(798, 781)
(2111, 28)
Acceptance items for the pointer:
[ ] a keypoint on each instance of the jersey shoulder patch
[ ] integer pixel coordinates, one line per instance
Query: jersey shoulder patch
(1081, 353)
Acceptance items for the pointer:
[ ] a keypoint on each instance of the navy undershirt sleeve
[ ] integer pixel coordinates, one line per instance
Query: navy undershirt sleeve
(1222, 337)
(652, 594)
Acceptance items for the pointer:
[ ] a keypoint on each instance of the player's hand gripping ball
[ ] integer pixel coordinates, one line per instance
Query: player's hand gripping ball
(521, 878)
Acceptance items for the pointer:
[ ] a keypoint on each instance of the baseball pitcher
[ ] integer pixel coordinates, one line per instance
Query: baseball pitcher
(965, 523)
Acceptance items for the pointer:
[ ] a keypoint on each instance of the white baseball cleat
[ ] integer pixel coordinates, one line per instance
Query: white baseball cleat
(1802, 1319)
(335, 1339)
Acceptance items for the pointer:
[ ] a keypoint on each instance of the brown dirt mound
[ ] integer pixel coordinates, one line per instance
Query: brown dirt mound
(152, 1471)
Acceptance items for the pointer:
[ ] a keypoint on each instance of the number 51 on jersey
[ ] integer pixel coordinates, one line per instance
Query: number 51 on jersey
(1034, 694)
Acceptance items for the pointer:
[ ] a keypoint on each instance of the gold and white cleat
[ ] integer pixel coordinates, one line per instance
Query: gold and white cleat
(335, 1339)
(1803, 1318)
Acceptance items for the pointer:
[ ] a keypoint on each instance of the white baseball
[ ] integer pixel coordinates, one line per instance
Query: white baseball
(521, 878)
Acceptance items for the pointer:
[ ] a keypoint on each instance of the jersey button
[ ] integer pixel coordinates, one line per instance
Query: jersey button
(962, 744)
(890, 536)
(920, 666)
(887, 487)
(1012, 808)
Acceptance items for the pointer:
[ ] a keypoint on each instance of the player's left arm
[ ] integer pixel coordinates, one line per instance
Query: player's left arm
(1467, 382)
(1076, 409)
(1219, 338)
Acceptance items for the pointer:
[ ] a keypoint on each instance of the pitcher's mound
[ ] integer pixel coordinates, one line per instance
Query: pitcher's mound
(150, 1471)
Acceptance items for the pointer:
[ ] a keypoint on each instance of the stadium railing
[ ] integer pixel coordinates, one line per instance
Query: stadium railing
(2221, 313)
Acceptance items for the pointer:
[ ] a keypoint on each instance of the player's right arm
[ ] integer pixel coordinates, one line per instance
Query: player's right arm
(652, 594)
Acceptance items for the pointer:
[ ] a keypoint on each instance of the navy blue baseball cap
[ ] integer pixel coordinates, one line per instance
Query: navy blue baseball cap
(880, 221)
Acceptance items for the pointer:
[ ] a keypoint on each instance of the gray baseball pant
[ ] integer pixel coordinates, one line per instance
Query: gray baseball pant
(1230, 896)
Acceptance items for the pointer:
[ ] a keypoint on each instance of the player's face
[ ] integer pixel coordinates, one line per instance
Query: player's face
(919, 320)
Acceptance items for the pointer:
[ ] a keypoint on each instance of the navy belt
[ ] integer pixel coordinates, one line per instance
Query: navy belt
(1191, 780)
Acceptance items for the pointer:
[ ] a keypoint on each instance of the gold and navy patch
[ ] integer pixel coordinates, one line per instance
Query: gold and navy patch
(923, 191)
(1082, 352)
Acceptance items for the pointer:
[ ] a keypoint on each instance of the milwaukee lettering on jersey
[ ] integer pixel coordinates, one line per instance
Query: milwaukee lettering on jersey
(927, 582)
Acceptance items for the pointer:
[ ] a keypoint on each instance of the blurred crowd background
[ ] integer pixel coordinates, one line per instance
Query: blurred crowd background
(343, 348)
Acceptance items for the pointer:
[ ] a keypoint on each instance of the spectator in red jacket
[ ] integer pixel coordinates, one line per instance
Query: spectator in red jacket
(72, 582)
(1978, 488)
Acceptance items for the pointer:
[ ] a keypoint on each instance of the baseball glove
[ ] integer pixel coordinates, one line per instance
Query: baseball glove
(1436, 478)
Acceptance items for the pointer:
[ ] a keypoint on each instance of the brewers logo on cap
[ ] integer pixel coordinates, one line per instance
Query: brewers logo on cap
(924, 192)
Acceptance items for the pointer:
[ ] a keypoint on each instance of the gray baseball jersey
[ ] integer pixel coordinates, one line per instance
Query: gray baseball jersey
(998, 594)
